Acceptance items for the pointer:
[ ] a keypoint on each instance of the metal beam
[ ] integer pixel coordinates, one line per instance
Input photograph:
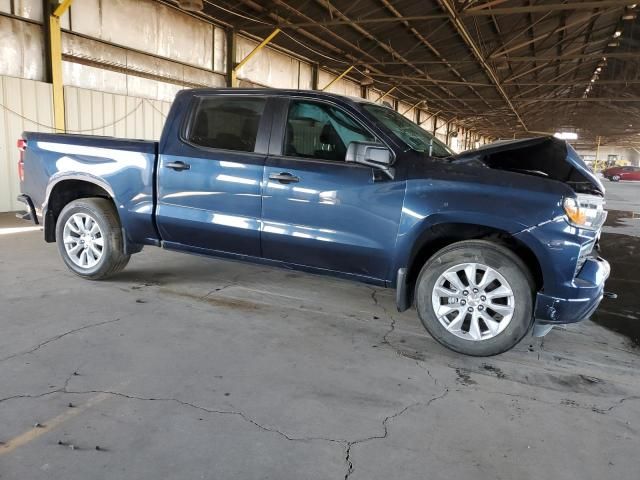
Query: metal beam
(333, 11)
(462, 31)
(230, 35)
(411, 107)
(385, 94)
(466, 13)
(545, 8)
(339, 77)
(55, 56)
(242, 63)
(62, 8)
(504, 59)
(429, 45)
(543, 36)
(423, 121)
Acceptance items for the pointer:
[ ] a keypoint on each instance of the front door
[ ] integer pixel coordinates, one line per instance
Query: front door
(209, 176)
(318, 210)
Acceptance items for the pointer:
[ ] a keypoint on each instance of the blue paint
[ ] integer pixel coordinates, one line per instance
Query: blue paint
(339, 218)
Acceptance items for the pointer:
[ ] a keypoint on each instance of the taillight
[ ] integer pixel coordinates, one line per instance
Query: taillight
(22, 146)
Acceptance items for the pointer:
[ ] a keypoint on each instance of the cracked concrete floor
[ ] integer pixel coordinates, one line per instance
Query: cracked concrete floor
(187, 367)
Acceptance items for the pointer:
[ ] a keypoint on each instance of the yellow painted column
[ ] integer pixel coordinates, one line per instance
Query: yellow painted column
(55, 43)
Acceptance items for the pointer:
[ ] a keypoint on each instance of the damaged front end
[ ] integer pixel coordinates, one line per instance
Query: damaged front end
(546, 157)
(567, 244)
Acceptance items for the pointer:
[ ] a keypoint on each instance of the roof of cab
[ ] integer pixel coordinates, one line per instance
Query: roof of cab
(275, 92)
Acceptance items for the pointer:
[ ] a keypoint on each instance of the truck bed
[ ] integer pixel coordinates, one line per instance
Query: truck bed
(123, 168)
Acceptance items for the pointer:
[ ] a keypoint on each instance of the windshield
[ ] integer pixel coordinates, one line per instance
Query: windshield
(413, 135)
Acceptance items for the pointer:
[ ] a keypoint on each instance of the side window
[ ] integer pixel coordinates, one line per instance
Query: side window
(317, 130)
(229, 123)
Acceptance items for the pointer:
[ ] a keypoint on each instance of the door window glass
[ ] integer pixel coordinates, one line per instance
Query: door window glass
(316, 130)
(228, 123)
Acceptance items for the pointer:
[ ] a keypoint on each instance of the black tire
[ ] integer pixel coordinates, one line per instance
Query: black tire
(113, 258)
(499, 258)
(615, 178)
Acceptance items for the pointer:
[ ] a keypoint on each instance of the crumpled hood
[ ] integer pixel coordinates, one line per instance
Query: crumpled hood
(545, 157)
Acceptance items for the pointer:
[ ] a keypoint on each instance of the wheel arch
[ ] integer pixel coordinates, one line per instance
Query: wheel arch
(62, 191)
(439, 236)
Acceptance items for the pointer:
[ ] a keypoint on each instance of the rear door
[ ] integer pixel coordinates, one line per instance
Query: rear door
(318, 210)
(210, 173)
(631, 173)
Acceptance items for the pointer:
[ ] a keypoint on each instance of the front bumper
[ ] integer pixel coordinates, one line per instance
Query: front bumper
(583, 298)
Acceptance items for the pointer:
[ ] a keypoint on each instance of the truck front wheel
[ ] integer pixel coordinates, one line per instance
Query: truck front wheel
(475, 297)
(89, 238)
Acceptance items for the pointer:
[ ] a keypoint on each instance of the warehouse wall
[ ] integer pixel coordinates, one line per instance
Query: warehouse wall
(92, 112)
(121, 81)
(27, 105)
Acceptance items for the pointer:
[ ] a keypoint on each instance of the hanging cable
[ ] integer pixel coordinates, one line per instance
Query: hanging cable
(51, 127)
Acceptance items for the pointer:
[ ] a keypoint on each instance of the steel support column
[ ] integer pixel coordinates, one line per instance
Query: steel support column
(55, 57)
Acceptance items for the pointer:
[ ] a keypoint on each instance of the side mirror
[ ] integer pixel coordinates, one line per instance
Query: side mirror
(371, 154)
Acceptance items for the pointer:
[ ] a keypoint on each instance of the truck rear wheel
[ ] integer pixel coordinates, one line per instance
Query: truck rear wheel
(475, 297)
(89, 238)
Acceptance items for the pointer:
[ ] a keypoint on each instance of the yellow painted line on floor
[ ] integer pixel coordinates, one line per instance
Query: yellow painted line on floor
(49, 425)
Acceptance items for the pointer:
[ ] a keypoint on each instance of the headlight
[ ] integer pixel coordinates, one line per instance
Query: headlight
(585, 211)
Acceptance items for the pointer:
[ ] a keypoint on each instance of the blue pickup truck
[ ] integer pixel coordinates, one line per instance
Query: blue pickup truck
(488, 245)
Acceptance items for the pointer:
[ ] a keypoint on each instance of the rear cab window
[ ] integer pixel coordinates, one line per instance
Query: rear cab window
(227, 122)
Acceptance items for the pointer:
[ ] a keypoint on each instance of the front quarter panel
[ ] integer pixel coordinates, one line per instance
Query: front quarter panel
(462, 198)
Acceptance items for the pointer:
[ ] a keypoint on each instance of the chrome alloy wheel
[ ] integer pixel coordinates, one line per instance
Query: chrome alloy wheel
(83, 240)
(473, 301)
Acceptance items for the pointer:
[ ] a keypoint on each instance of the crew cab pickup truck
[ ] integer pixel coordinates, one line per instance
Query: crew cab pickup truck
(488, 245)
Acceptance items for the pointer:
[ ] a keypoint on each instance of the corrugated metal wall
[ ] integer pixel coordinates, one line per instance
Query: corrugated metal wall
(28, 105)
(99, 113)
(24, 105)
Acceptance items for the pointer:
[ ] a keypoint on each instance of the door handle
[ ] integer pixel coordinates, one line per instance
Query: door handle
(284, 177)
(178, 166)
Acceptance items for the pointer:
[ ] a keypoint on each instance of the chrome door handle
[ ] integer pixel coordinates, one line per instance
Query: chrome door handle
(284, 177)
(178, 166)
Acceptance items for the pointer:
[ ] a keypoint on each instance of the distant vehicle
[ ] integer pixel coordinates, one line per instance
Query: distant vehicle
(487, 244)
(615, 174)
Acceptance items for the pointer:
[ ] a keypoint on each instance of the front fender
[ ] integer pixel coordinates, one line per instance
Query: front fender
(435, 202)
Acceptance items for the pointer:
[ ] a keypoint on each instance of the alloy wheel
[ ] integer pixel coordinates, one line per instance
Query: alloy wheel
(83, 240)
(473, 301)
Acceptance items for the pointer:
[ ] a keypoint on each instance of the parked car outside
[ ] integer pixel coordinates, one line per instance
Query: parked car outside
(628, 172)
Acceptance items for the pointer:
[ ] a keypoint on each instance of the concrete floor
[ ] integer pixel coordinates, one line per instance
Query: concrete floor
(184, 367)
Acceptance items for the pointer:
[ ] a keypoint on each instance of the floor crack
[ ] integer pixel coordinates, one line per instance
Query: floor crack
(56, 338)
(346, 444)
(385, 427)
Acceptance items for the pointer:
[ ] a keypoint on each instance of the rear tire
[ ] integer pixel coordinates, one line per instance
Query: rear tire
(476, 317)
(89, 238)
(615, 178)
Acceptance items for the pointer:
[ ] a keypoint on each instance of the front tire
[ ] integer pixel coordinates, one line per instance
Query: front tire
(476, 298)
(615, 178)
(89, 238)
